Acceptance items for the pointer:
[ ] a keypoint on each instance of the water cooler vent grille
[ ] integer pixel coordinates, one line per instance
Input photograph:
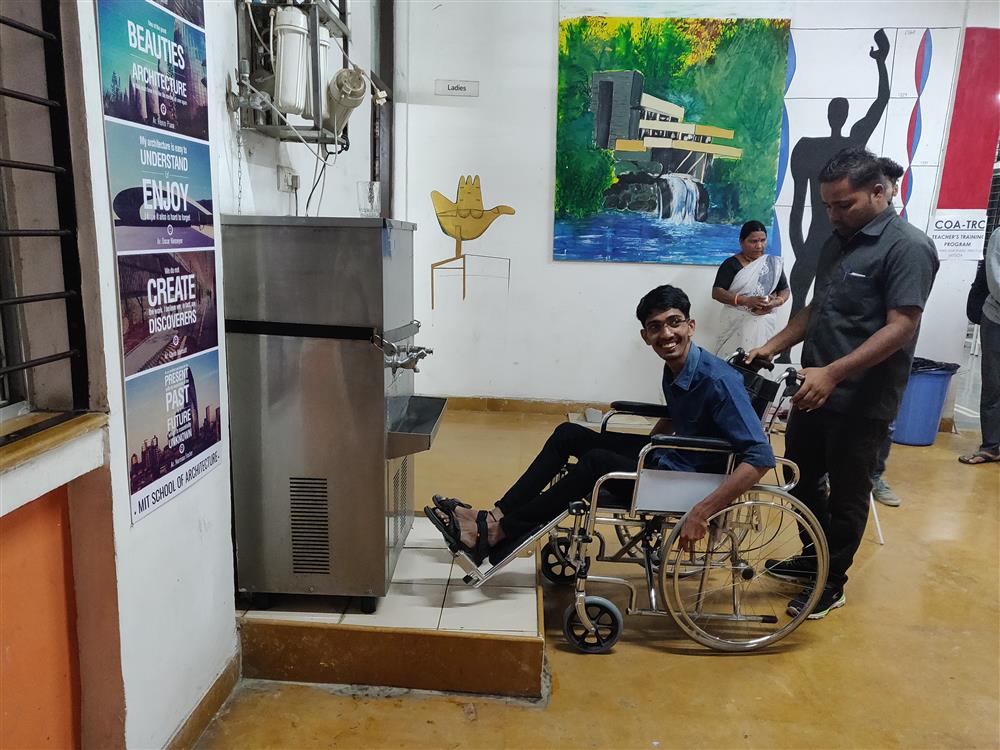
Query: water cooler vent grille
(309, 513)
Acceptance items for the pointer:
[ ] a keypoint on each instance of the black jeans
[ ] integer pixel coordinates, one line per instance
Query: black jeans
(989, 399)
(528, 504)
(883, 452)
(846, 447)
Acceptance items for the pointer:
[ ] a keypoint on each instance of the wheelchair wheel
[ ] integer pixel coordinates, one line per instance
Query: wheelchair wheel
(554, 561)
(719, 593)
(607, 620)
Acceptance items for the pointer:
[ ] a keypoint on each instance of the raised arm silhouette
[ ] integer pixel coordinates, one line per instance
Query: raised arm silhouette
(808, 158)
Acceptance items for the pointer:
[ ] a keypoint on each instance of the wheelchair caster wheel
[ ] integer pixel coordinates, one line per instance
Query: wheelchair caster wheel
(552, 566)
(607, 620)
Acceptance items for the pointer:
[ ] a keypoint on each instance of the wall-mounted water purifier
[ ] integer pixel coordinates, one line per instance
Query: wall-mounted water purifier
(280, 42)
(291, 40)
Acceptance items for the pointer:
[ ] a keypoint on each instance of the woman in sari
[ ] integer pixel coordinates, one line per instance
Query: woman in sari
(751, 285)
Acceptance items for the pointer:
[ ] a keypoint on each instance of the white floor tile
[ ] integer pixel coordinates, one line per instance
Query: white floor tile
(331, 618)
(494, 608)
(407, 605)
(301, 608)
(425, 534)
(519, 572)
(421, 565)
(508, 633)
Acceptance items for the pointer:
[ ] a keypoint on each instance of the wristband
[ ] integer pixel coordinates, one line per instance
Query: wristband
(736, 302)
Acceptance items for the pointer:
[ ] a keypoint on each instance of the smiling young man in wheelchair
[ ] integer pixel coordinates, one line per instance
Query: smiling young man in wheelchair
(706, 398)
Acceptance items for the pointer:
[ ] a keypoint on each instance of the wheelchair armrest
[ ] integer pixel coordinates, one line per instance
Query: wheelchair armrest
(659, 411)
(682, 442)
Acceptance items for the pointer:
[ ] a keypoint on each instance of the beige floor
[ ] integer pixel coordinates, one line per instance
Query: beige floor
(911, 662)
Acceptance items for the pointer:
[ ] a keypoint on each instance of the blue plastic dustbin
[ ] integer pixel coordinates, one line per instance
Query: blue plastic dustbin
(923, 401)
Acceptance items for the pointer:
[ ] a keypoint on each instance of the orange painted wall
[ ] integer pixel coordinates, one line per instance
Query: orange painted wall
(39, 672)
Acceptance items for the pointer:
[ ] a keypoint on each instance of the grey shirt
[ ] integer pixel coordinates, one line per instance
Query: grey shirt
(886, 265)
(991, 307)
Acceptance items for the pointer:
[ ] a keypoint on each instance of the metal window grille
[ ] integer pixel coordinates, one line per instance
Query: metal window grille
(15, 365)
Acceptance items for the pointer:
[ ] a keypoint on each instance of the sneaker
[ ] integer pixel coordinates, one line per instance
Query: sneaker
(884, 494)
(830, 599)
(796, 569)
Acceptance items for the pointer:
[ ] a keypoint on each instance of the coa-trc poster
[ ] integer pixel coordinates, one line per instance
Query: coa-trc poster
(159, 171)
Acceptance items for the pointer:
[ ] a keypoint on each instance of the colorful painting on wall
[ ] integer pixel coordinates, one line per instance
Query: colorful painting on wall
(667, 136)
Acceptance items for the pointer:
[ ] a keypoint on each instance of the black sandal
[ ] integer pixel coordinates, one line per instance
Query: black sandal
(448, 503)
(453, 535)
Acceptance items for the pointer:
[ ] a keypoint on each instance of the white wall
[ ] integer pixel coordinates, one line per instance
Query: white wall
(566, 330)
(174, 568)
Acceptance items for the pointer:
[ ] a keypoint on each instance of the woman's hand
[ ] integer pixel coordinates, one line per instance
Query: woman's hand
(749, 301)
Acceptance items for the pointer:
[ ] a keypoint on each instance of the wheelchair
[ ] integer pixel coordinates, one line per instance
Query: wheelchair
(719, 592)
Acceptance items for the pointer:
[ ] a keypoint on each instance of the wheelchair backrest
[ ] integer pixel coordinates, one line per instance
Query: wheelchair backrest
(761, 390)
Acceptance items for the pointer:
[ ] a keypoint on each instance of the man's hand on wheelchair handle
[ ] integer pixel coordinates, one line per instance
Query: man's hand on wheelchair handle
(817, 385)
(761, 352)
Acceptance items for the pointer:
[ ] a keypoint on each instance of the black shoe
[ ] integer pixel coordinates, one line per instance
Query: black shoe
(796, 569)
(830, 599)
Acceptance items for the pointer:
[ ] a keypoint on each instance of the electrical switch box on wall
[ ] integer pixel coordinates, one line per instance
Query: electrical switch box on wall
(288, 179)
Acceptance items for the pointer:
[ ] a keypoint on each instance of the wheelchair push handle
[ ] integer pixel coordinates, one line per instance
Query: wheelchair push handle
(758, 363)
(793, 381)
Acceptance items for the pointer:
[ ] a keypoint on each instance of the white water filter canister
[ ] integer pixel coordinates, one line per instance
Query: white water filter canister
(291, 37)
(345, 92)
(324, 74)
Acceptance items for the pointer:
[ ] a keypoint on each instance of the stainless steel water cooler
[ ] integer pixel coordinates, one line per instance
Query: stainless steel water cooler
(324, 422)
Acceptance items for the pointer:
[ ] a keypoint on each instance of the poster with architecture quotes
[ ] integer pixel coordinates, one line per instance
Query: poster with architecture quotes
(155, 98)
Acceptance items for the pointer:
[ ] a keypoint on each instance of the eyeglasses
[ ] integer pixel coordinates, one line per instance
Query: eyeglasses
(653, 327)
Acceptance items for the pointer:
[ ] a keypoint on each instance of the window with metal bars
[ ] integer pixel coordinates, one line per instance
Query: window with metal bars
(43, 363)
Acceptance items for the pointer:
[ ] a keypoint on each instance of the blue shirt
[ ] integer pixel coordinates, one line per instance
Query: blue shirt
(708, 399)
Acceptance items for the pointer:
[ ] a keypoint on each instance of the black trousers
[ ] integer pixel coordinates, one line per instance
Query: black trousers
(846, 447)
(528, 504)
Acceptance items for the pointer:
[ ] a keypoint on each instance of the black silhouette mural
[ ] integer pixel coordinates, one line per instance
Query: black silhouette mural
(808, 158)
